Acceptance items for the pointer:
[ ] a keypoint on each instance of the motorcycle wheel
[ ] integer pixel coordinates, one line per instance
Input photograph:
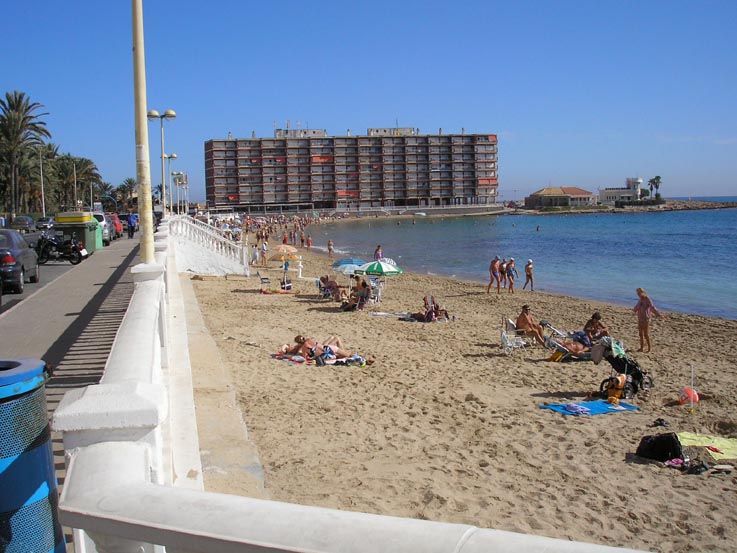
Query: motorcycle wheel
(75, 257)
(43, 256)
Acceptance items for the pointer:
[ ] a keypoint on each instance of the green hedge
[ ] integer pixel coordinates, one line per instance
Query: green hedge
(642, 203)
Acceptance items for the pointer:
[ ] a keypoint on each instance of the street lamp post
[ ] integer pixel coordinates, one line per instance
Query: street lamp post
(171, 194)
(168, 114)
(179, 181)
(41, 167)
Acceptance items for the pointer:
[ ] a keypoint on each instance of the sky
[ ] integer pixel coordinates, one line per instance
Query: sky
(580, 93)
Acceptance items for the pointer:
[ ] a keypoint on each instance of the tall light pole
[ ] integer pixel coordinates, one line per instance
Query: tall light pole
(171, 194)
(168, 114)
(41, 167)
(178, 179)
(143, 166)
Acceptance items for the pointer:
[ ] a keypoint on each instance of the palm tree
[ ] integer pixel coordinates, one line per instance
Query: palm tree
(88, 176)
(656, 185)
(651, 184)
(127, 188)
(20, 127)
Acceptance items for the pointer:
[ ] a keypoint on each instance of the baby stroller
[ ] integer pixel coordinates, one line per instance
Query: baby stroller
(636, 378)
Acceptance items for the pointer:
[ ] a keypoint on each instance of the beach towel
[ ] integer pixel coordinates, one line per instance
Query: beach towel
(727, 447)
(598, 407)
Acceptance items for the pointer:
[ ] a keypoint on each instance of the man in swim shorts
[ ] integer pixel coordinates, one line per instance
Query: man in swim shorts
(525, 322)
(494, 275)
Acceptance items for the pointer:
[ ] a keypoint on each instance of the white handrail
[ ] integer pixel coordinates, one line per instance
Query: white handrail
(209, 237)
(107, 483)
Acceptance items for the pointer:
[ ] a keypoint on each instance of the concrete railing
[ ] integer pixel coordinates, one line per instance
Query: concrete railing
(208, 236)
(134, 474)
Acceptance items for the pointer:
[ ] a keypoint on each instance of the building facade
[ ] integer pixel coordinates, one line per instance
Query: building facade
(560, 196)
(631, 192)
(391, 167)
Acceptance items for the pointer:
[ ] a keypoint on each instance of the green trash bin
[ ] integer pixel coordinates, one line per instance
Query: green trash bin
(86, 232)
(99, 244)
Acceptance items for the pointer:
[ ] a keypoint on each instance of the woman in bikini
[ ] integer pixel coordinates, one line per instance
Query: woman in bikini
(511, 274)
(307, 347)
(312, 349)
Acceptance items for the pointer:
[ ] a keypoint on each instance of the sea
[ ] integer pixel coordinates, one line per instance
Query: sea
(686, 260)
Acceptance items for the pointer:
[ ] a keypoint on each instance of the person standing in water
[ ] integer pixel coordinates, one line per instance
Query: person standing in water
(645, 309)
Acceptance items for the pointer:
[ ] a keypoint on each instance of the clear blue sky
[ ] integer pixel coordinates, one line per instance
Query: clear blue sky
(581, 93)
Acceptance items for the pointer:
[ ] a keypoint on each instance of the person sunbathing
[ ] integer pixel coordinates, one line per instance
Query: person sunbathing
(575, 348)
(311, 349)
(526, 323)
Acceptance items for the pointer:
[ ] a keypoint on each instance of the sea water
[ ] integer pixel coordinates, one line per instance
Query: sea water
(686, 260)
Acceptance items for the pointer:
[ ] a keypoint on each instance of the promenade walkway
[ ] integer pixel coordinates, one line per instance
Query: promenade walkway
(71, 324)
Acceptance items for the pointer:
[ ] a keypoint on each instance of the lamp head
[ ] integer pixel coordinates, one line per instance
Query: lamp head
(170, 114)
(153, 114)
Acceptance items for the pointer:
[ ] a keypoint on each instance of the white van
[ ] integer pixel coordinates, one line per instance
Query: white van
(106, 225)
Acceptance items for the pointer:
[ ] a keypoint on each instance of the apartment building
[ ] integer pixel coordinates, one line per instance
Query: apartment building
(387, 167)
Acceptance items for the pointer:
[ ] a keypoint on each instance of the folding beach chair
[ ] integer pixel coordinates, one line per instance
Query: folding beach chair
(511, 339)
(265, 281)
(323, 292)
(377, 287)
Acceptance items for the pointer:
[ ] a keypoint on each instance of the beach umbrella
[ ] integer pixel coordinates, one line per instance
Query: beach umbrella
(283, 256)
(348, 261)
(284, 249)
(379, 268)
(347, 269)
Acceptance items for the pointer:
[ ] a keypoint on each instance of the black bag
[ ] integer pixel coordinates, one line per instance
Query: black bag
(661, 447)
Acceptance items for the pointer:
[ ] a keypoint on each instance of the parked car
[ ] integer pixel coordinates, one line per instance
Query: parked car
(23, 224)
(117, 224)
(45, 223)
(124, 219)
(106, 225)
(17, 259)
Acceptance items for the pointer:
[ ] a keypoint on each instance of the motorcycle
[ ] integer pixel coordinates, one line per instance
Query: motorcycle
(50, 246)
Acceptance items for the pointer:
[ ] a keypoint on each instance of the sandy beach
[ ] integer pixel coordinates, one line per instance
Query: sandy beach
(444, 426)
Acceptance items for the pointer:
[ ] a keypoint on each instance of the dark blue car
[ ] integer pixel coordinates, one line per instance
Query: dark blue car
(17, 260)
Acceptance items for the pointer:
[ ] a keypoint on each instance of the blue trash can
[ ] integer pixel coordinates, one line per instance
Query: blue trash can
(29, 498)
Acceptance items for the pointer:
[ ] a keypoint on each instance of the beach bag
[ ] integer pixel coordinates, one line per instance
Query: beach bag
(661, 447)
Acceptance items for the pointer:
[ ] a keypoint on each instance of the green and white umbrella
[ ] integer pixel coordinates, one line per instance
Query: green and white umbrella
(379, 268)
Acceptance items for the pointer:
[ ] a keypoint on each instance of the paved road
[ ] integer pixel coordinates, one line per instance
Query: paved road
(49, 272)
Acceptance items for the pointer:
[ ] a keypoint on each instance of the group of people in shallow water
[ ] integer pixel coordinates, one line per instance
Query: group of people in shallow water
(504, 273)
(594, 329)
